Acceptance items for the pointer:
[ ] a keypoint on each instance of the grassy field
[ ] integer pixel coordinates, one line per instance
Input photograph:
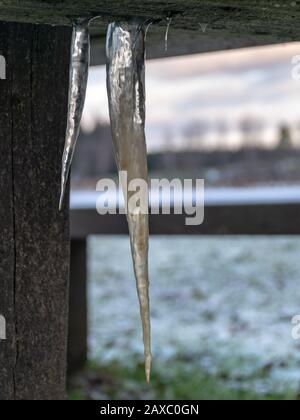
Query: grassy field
(114, 382)
(221, 320)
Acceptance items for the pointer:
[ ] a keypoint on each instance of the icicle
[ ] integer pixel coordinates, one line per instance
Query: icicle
(147, 29)
(146, 26)
(126, 94)
(169, 22)
(79, 68)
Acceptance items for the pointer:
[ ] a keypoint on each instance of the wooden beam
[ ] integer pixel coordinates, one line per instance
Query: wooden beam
(34, 247)
(7, 243)
(260, 210)
(198, 26)
(78, 307)
(226, 219)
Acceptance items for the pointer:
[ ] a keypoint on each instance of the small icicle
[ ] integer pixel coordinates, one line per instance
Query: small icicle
(147, 24)
(169, 22)
(79, 69)
(126, 95)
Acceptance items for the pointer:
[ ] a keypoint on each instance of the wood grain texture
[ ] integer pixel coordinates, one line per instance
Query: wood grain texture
(34, 250)
(7, 249)
(200, 26)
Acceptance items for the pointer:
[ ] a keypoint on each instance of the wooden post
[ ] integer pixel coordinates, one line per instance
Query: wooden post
(78, 315)
(34, 246)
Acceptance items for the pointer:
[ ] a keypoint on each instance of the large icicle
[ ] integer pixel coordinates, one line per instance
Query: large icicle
(79, 69)
(126, 94)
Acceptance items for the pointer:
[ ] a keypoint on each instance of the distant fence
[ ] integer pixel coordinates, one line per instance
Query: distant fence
(228, 211)
(241, 211)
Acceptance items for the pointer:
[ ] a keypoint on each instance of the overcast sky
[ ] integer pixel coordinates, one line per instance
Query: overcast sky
(226, 86)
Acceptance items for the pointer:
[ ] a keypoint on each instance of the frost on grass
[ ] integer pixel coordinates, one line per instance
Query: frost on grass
(222, 305)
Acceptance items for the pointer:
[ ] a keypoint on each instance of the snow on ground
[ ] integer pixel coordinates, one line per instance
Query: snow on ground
(220, 304)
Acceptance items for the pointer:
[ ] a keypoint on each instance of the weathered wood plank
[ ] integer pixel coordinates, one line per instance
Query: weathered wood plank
(227, 13)
(227, 219)
(7, 250)
(35, 277)
(200, 26)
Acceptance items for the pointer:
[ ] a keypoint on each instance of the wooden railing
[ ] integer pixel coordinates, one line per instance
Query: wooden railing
(241, 211)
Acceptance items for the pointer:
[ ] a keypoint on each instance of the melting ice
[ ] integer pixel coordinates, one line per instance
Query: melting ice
(126, 95)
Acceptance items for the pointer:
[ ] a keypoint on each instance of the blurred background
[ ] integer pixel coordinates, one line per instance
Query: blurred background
(221, 306)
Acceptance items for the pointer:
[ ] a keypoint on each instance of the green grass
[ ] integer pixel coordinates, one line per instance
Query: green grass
(115, 382)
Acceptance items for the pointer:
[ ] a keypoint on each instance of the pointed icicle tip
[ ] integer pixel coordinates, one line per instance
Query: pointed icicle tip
(62, 194)
(61, 200)
(148, 362)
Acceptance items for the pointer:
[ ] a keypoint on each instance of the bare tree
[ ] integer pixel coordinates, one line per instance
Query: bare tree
(195, 132)
(222, 129)
(285, 138)
(251, 129)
